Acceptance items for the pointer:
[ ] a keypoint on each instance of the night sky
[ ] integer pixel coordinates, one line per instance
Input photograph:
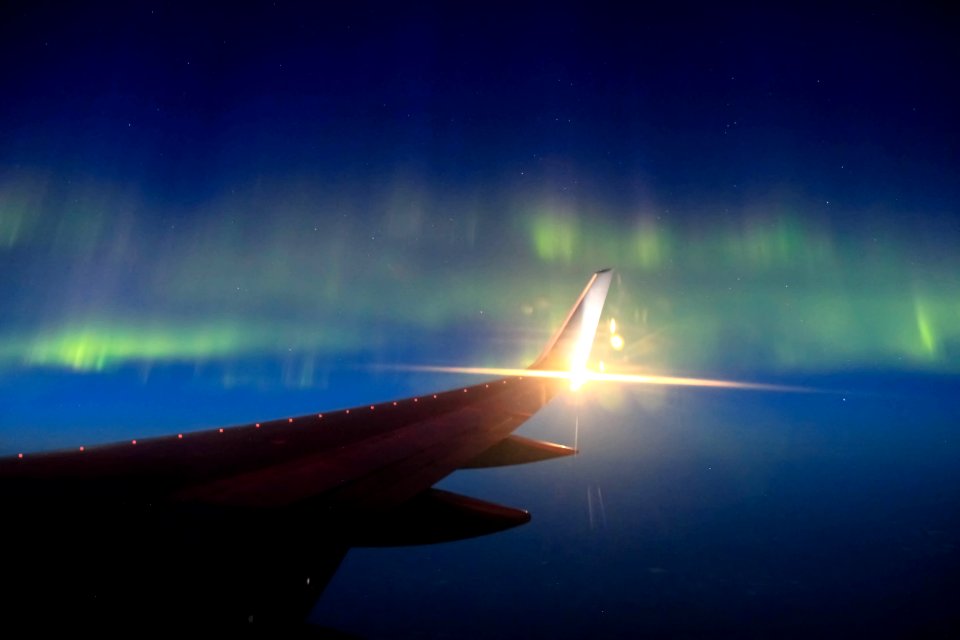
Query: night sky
(214, 213)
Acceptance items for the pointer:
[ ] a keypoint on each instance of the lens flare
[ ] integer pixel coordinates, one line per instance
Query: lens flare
(587, 375)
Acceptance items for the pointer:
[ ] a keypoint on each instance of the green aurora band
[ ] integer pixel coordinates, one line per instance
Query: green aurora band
(296, 271)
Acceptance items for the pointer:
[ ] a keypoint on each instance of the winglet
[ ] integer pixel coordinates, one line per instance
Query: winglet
(570, 346)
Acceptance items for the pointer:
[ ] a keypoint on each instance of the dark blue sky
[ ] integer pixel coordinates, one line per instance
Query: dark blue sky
(685, 100)
(255, 197)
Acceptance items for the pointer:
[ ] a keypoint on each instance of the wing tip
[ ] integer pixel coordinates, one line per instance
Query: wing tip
(581, 321)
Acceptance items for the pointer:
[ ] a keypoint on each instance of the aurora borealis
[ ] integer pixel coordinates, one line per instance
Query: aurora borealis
(322, 276)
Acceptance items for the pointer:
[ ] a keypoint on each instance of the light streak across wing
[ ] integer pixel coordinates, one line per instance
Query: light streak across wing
(625, 378)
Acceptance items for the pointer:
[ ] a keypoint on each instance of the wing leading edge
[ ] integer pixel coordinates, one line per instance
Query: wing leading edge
(275, 492)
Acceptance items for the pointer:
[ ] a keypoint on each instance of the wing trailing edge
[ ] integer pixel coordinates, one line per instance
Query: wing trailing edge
(518, 450)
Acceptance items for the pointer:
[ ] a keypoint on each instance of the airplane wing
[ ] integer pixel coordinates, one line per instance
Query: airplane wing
(245, 524)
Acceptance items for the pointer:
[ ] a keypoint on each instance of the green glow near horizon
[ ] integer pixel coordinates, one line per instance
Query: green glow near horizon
(99, 346)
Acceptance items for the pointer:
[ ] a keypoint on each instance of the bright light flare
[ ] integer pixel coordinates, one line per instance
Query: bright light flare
(616, 340)
(579, 378)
